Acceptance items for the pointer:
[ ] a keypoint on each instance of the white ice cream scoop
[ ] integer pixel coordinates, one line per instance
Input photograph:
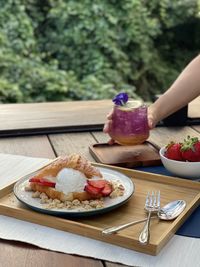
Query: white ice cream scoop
(70, 180)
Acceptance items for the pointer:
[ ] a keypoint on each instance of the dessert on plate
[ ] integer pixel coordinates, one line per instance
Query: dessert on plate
(73, 178)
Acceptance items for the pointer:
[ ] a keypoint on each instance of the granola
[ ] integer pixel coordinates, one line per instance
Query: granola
(117, 191)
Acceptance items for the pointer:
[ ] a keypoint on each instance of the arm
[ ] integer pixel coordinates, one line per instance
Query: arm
(183, 90)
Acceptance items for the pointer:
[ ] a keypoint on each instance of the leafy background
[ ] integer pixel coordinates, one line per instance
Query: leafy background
(66, 49)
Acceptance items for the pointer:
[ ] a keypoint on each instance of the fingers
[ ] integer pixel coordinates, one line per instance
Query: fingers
(150, 123)
(107, 124)
(109, 116)
(151, 118)
(106, 127)
(111, 141)
(106, 130)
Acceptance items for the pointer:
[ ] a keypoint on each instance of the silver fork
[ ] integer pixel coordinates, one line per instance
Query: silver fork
(152, 204)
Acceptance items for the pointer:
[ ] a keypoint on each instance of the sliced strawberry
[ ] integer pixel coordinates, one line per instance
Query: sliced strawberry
(47, 183)
(107, 190)
(42, 181)
(34, 179)
(97, 183)
(92, 190)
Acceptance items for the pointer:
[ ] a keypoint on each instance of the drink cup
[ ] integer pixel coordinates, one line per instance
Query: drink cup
(129, 123)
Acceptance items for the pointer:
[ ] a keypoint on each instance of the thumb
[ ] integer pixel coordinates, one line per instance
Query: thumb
(150, 123)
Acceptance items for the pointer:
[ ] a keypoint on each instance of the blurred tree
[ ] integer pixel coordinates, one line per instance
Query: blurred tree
(58, 50)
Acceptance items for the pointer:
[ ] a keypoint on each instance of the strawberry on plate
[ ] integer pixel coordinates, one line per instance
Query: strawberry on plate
(97, 183)
(190, 149)
(173, 151)
(106, 190)
(98, 187)
(92, 190)
(42, 181)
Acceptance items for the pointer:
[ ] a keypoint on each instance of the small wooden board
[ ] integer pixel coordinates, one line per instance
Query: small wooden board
(126, 156)
(161, 231)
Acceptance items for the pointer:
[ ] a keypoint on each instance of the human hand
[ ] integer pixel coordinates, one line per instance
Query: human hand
(152, 118)
(107, 126)
(151, 123)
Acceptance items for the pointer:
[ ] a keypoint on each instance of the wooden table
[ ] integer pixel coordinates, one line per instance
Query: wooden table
(68, 117)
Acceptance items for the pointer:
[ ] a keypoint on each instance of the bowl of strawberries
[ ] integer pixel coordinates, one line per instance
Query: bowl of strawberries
(182, 158)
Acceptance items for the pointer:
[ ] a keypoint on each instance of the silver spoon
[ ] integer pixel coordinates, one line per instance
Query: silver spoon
(169, 212)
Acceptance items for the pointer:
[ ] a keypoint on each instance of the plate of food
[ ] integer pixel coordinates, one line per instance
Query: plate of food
(71, 186)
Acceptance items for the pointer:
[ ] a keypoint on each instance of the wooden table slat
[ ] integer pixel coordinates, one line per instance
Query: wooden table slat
(71, 114)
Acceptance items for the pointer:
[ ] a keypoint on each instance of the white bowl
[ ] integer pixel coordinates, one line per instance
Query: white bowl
(190, 170)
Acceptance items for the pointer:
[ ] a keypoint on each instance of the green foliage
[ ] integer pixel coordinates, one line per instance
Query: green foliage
(65, 49)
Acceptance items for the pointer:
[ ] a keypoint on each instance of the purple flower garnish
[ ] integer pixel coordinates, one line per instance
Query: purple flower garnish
(120, 99)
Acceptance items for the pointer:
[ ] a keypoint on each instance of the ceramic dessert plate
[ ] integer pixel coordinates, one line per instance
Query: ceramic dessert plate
(109, 203)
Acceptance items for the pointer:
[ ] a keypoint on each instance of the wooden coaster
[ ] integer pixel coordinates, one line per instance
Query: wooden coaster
(126, 156)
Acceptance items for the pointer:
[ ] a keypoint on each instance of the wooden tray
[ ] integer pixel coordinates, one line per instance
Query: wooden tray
(161, 231)
(126, 156)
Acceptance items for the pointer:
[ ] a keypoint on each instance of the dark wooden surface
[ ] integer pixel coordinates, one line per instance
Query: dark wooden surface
(14, 254)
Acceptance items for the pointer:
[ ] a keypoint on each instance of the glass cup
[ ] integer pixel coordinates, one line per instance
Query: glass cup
(129, 123)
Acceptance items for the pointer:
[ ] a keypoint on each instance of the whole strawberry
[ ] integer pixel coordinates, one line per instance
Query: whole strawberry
(191, 149)
(173, 151)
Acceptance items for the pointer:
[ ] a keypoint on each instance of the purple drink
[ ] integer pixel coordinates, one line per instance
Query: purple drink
(129, 123)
